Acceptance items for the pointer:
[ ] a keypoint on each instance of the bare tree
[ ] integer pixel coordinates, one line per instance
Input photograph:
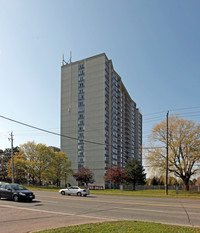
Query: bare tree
(184, 148)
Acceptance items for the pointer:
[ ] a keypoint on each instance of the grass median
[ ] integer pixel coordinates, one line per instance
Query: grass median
(149, 193)
(123, 227)
(142, 193)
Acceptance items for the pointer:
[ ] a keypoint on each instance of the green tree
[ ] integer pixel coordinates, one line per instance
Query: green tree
(59, 168)
(3, 165)
(5, 157)
(43, 157)
(135, 172)
(19, 167)
(29, 150)
(154, 181)
(38, 159)
(184, 147)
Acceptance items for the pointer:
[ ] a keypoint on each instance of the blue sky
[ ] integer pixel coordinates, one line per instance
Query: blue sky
(154, 46)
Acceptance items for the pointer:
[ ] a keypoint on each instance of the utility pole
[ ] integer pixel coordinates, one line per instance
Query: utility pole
(12, 156)
(166, 182)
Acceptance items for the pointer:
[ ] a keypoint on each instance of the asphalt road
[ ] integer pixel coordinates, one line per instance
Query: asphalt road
(51, 210)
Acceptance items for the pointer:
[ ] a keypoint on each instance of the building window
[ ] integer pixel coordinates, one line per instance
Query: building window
(80, 147)
(81, 103)
(81, 135)
(81, 72)
(81, 159)
(114, 156)
(81, 66)
(81, 91)
(81, 141)
(80, 153)
(106, 133)
(114, 151)
(114, 139)
(81, 116)
(81, 97)
(81, 128)
(81, 109)
(82, 84)
(114, 162)
(81, 78)
(81, 122)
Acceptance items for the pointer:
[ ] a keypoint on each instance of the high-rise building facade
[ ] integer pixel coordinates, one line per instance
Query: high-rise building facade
(101, 126)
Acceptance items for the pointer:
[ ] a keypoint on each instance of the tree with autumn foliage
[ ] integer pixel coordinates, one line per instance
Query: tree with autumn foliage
(184, 148)
(85, 175)
(115, 175)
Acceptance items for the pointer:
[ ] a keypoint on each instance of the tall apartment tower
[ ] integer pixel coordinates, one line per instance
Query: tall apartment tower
(98, 116)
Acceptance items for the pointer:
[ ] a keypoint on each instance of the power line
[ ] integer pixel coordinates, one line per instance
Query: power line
(185, 113)
(155, 113)
(152, 118)
(171, 110)
(159, 119)
(180, 109)
(66, 136)
(47, 131)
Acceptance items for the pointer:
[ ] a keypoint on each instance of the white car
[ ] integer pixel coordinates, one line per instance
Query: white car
(75, 190)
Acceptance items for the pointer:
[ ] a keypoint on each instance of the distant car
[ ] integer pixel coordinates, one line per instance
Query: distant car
(15, 192)
(75, 190)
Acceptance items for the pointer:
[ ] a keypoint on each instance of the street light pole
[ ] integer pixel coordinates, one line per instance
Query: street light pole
(12, 156)
(166, 183)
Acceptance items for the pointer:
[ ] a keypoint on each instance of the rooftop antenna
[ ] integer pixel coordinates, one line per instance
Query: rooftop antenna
(70, 60)
(63, 60)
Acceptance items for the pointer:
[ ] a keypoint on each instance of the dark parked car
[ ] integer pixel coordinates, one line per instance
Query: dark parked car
(15, 192)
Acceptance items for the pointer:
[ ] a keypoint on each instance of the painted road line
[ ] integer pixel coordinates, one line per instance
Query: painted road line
(125, 203)
(55, 212)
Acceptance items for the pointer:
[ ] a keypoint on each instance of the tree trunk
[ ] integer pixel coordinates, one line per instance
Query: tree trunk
(40, 181)
(58, 183)
(186, 185)
(133, 186)
(33, 179)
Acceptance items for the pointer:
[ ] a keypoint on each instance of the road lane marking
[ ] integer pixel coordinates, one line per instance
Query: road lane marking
(50, 201)
(126, 203)
(159, 211)
(55, 212)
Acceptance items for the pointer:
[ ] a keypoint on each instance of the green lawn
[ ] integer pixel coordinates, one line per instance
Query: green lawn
(149, 193)
(123, 227)
(144, 193)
